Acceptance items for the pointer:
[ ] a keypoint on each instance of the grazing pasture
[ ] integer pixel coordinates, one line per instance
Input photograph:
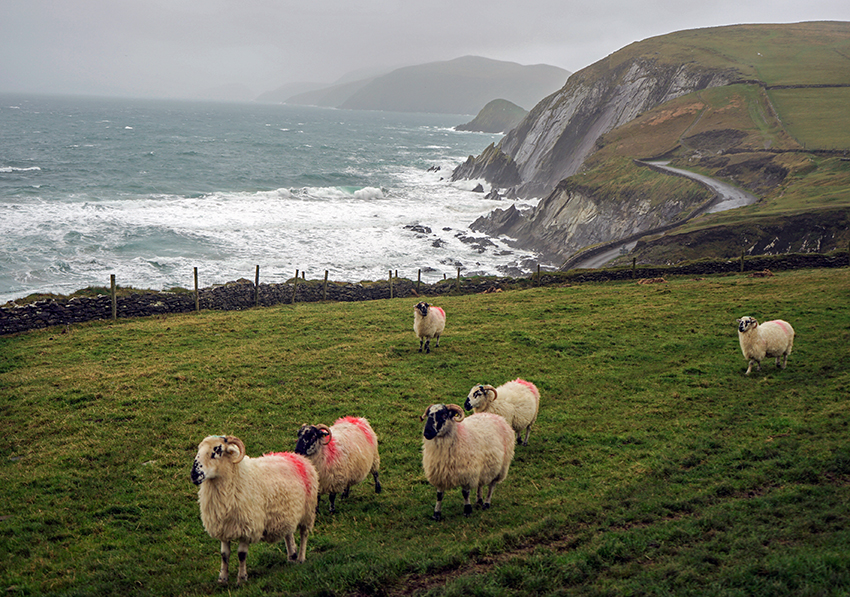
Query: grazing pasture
(656, 467)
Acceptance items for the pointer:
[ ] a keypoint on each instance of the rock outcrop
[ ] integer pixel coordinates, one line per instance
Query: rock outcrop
(498, 116)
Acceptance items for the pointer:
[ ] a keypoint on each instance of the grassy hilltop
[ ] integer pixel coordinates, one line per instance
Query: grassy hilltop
(656, 467)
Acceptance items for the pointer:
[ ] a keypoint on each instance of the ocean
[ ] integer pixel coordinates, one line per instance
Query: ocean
(148, 190)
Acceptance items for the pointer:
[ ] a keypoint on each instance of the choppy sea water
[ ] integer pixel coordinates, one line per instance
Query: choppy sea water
(149, 190)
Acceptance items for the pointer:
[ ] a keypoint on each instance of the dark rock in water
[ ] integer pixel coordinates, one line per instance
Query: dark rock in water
(438, 243)
(434, 169)
(478, 188)
(418, 228)
(494, 195)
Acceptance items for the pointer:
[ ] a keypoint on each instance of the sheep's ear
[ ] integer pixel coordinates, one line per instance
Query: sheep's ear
(235, 448)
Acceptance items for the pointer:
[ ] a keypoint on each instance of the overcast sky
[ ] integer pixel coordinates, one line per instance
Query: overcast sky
(240, 48)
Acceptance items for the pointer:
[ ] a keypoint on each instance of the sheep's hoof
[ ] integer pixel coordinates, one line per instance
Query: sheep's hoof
(293, 557)
(485, 506)
(437, 516)
(222, 581)
(467, 509)
(241, 580)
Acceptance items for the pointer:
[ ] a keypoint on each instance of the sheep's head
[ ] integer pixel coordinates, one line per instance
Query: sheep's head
(216, 453)
(480, 396)
(311, 438)
(422, 308)
(437, 418)
(747, 323)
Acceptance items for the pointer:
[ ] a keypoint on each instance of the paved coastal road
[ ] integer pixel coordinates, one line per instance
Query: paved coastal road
(729, 197)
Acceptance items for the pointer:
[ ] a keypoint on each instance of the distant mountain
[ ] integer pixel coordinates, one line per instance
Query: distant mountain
(498, 116)
(460, 86)
(284, 92)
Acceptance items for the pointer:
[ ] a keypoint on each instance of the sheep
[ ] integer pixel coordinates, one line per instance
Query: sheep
(770, 339)
(342, 454)
(466, 452)
(518, 401)
(248, 499)
(428, 322)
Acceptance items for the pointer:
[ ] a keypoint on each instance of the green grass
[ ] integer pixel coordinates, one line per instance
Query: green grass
(816, 117)
(656, 466)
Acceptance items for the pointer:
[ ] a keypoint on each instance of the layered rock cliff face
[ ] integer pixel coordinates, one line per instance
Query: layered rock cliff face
(558, 135)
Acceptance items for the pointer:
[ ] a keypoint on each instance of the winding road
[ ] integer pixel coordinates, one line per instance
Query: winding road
(728, 197)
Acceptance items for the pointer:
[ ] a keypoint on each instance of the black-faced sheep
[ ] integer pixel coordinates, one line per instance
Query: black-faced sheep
(342, 454)
(428, 322)
(517, 401)
(770, 339)
(248, 499)
(467, 453)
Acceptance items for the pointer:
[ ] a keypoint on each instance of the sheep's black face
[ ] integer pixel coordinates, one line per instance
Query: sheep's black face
(435, 420)
(476, 395)
(206, 462)
(423, 308)
(309, 439)
(746, 323)
(197, 473)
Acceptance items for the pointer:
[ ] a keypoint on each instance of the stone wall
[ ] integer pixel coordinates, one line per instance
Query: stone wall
(243, 294)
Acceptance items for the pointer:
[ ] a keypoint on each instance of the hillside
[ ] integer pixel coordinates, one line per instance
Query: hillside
(762, 106)
(656, 467)
(461, 86)
(498, 116)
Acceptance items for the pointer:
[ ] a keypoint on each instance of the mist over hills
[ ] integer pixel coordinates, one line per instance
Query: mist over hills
(460, 86)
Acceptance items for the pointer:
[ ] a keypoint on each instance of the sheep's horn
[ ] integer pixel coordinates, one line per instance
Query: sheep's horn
(425, 414)
(489, 388)
(239, 453)
(328, 434)
(458, 416)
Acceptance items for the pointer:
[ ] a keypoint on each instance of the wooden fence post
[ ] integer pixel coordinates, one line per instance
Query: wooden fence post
(457, 284)
(295, 288)
(391, 283)
(325, 287)
(418, 280)
(538, 275)
(742, 261)
(257, 287)
(197, 296)
(114, 296)
(634, 263)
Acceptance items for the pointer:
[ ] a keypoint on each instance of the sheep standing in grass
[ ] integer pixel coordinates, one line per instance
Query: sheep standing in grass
(342, 454)
(248, 499)
(428, 322)
(467, 453)
(517, 401)
(770, 339)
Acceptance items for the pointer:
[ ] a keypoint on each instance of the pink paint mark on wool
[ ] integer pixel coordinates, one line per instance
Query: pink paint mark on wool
(330, 452)
(361, 424)
(298, 462)
(440, 311)
(529, 385)
(783, 324)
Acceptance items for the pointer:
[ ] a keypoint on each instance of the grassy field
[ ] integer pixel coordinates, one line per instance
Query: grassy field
(656, 467)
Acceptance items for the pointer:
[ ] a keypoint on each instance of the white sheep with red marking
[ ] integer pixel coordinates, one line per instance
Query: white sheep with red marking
(429, 322)
(518, 401)
(343, 454)
(466, 452)
(770, 339)
(249, 500)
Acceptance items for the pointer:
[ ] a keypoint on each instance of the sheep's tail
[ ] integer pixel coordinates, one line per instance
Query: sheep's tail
(298, 462)
(530, 386)
(361, 424)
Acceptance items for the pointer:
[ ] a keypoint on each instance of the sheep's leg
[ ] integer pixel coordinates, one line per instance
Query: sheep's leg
(527, 433)
(302, 548)
(784, 360)
(479, 501)
(437, 343)
(377, 483)
(243, 562)
(223, 574)
(489, 496)
(428, 345)
(291, 549)
(421, 341)
(438, 507)
(467, 507)
(751, 363)
(332, 498)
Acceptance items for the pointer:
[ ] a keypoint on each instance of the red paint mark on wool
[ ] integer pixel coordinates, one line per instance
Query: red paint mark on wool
(360, 424)
(298, 462)
(783, 324)
(529, 385)
(440, 311)
(330, 452)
